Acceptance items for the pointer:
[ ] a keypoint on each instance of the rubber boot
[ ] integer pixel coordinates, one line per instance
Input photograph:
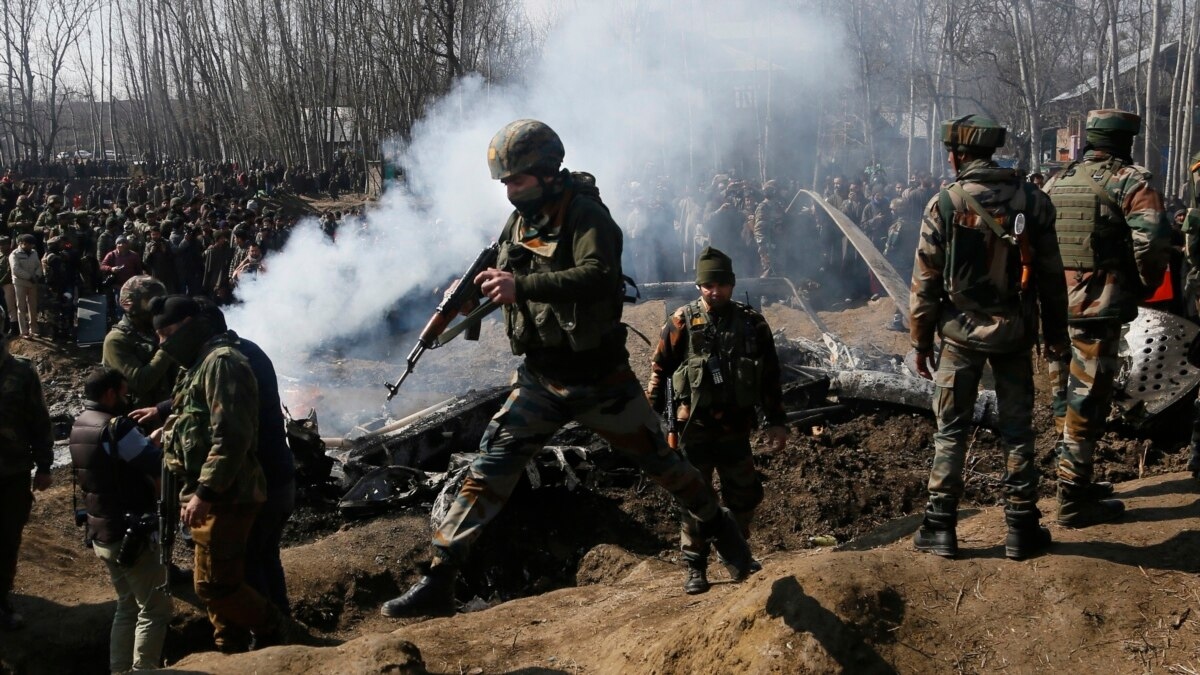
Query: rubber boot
(1026, 536)
(697, 577)
(937, 534)
(432, 594)
(734, 552)
(1076, 509)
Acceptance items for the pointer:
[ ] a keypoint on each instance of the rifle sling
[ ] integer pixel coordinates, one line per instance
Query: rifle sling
(986, 217)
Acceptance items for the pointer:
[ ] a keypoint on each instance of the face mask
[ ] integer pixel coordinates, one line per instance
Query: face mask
(530, 200)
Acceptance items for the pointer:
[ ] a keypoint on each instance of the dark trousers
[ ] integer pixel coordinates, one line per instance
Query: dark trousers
(16, 499)
(264, 571)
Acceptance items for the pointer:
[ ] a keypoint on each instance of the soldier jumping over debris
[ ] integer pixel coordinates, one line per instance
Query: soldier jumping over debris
(559, 280)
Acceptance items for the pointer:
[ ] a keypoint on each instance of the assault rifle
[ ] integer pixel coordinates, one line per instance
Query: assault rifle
(168, 521)
(438, 331)
(672, 414)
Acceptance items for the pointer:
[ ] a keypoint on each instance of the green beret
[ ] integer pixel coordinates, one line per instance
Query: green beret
(714, 267)
(973, 131)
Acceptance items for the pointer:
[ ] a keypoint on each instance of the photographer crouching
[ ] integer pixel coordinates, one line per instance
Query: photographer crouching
(117, 468)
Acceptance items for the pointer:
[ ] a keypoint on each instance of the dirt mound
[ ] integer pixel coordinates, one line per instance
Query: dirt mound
(368, 655)
(1113, 598)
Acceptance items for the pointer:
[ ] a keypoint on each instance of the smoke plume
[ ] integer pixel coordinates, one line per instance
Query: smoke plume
(635, 89)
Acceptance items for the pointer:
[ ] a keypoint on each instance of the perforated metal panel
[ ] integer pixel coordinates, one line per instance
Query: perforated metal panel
(1157, 372)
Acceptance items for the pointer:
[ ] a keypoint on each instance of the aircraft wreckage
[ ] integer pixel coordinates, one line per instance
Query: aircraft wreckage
(423, 458)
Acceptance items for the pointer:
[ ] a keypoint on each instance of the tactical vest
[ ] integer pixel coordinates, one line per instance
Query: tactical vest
(723, 368)
(1091, 227)
(111, 488)
(531, 325)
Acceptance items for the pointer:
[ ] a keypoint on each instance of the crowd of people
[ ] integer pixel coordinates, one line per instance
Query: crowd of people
(198, 234)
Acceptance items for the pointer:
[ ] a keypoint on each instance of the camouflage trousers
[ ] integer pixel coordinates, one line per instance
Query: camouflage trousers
(957, 389)
(729, 456)
(1083, 391)
(615, 408)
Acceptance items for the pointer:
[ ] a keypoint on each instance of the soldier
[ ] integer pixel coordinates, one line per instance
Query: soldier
(560, 257)
(26, 440)
(986, 255)
(48, 219)
(209, 443)
(132, 349)
(720, 356)
(21, 218)
(768, 228)
(60, 287)
(1115, 242)
(1191, 249)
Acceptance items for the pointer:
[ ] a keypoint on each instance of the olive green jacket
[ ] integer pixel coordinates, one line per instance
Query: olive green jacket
(150, 372)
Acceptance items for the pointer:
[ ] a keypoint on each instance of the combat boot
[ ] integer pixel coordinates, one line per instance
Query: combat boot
(1026, 536)
(937, 534)
(697, 577)
(433, 594)
(725, 535)
(1193, 464)
(1076, 509)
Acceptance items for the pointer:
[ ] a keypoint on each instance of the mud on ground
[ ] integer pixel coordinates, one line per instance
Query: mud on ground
(840, 479)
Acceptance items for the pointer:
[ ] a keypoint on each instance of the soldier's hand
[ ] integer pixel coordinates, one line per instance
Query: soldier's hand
(924, 359)
(498, 285)
(41, 481)
(777, 438)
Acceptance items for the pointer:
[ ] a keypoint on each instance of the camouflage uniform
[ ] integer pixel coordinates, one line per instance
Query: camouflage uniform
(210, 442)
(768, 229)
(567, 324)
(564, 253)
(1191, 230)
(26, 440)
(1116, 244)
(717, 424)
(966, 286)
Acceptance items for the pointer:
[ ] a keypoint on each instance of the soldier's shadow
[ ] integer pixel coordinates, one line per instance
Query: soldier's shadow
(1180, 553)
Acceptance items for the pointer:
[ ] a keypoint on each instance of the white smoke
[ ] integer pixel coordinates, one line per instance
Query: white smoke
(625, 84)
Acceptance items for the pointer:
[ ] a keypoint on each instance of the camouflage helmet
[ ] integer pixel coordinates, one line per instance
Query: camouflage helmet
(1114, 120)
(137, 293)
(53, 200)
(973, 131)
(524, 146)
(176, 201)
(1194, 166)
(20, 200)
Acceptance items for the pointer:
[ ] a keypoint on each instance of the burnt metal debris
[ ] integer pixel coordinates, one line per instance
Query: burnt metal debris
(407, 463)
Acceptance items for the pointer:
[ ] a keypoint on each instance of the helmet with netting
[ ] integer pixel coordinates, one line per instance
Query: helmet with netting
(973, 131)
(137, 293)
(525, 146)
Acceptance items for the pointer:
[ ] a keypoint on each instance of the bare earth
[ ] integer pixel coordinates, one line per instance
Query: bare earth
(595, 585)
